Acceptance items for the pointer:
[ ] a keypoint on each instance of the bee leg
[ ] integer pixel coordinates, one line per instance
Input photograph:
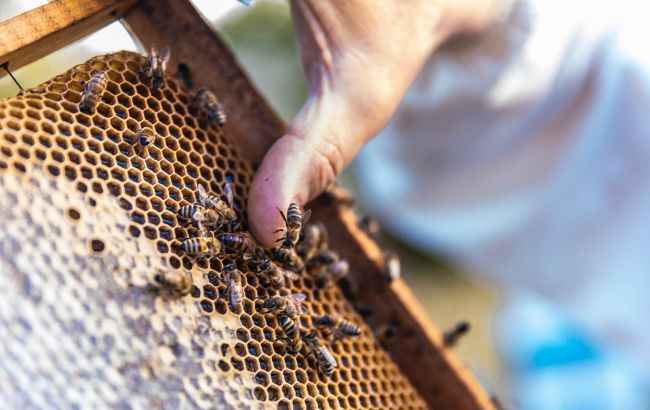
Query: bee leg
(284, 218)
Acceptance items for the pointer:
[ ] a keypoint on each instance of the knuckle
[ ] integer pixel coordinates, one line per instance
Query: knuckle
(329, 163)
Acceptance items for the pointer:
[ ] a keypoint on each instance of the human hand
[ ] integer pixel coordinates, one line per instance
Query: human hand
(359, 58)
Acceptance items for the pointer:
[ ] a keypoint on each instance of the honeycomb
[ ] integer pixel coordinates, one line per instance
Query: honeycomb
(88, 224)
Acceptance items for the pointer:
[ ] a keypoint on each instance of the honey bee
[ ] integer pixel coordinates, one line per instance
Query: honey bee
(143, 138)
(294, 345)
(240, 242)
(340, 327)
(291, 331)
(255, 263)
(290, 305)
(293, 223)
(174, 282)
(201, 215)
(156, 66)
(234, 278)
(324, 358)
(273, 276)
(322, 259)
(288, 258)
(313, 238)
(392, 267)
(336, 194)
(386, 333)
(202, 246)
(209, 104)
(225, 209)
(93, 90)
(370, 225)
(332, 273)
(451, 336)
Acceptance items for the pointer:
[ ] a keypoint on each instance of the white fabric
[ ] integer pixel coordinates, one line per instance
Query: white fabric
(525, 155)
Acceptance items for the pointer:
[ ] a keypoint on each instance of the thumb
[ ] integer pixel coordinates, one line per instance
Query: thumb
(316, 146)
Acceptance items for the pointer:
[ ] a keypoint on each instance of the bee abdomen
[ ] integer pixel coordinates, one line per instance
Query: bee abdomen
(193, 246)
(220, 115)
(98, 82)
(188, 211)
(233, 241)
(326, 366)
(349, 329)
(92, 91)
(288, 326)
(294, 216)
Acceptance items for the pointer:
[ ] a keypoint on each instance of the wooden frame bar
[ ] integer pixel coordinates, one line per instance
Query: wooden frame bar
(158, 22)
(434, 370)
(38, 32)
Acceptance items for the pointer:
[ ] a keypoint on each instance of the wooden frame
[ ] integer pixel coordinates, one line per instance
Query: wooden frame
(435, 371)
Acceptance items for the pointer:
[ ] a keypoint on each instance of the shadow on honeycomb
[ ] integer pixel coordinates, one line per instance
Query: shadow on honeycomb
(87, 226)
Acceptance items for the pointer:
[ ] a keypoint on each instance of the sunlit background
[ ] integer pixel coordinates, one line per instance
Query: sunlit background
(262, 38)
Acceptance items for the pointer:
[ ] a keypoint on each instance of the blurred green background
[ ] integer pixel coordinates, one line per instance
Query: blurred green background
(263, 40)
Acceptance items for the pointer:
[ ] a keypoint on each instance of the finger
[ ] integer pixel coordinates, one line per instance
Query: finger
(300, 165)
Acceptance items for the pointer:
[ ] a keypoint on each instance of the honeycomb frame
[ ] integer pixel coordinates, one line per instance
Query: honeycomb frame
(51, 156)
(439, 376)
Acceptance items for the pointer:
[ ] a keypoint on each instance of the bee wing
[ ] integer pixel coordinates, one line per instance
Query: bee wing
(229, 195)
(151, 60)
(327, 354)
(235, 293)
(164, 58)
(202, 195)
(305, 218)
(296, 297)
(288, 274)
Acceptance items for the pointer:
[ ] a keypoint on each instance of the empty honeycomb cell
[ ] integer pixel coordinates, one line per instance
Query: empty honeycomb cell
(96, 246)
(33, 114)
(38, 153)
(30, 125)
(17, 113)
(207, 305)
(73, 214)
(23, 152)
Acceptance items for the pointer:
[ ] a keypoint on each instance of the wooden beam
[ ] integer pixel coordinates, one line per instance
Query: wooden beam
(38, 32)
(434, 370)
(178, 25)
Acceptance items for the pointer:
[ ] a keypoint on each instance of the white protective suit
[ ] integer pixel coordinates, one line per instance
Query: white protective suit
(525, 155)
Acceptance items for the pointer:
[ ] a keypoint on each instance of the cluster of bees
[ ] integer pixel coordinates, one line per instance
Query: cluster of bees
(303, 248)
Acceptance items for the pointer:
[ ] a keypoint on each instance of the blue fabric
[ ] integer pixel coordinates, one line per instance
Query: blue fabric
(554, 365)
